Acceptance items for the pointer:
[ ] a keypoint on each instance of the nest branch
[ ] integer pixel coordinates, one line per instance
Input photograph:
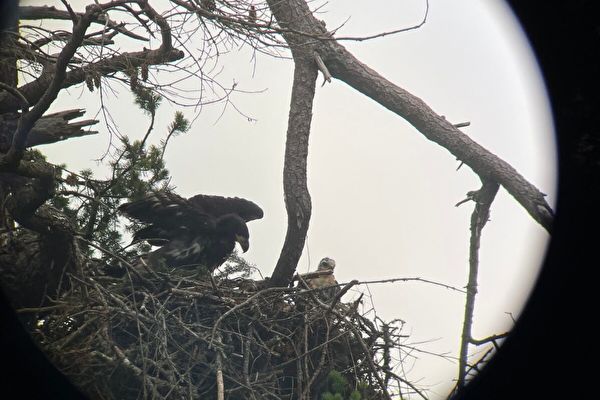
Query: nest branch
(185, 341)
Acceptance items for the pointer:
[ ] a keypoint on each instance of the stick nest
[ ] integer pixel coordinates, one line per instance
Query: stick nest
(179, 338)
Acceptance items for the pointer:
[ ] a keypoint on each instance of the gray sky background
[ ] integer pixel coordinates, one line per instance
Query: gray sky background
(383, 196)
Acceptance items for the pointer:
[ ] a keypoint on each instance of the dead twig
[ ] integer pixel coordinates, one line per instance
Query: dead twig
(483, 200)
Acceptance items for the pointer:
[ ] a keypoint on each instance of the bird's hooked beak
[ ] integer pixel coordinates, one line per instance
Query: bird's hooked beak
(243, 241)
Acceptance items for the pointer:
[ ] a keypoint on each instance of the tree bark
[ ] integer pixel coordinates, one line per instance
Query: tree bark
(296, 195)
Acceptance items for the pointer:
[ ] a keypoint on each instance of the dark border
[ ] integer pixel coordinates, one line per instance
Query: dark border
(544, 357)
(548, 355)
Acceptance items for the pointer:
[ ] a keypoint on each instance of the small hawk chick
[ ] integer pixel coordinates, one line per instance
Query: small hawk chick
(326, 264)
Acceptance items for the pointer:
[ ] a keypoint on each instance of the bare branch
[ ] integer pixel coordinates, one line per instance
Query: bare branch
(483, 200)
(51, 12)
(72, 15)
(489, 339)
(415, 280)
(89, 39)
(345, 67)
(394, 32)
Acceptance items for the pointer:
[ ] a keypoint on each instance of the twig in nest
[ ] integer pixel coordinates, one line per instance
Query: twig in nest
(220, 383)
(243, 304)
(342, 292)
(142, 279)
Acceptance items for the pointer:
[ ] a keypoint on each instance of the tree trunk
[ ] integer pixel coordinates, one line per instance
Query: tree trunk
(297, 197)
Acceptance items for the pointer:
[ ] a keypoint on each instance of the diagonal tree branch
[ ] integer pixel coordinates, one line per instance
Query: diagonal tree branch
(344, 66)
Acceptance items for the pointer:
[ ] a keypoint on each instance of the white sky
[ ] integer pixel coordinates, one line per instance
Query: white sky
(383, 196)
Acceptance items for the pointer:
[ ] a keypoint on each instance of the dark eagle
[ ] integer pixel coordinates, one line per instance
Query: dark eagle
(199, 231)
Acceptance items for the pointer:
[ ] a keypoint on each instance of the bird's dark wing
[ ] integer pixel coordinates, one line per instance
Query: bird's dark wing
(218, 206)
(169, 212)
(154, 235)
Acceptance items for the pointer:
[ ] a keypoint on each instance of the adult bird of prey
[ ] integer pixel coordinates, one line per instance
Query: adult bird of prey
(326, 264)
(197, 232)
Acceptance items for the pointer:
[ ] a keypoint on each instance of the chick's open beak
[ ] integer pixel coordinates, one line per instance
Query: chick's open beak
(243, 242)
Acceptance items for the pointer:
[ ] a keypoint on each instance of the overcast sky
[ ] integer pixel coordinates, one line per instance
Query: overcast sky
(383, 196)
